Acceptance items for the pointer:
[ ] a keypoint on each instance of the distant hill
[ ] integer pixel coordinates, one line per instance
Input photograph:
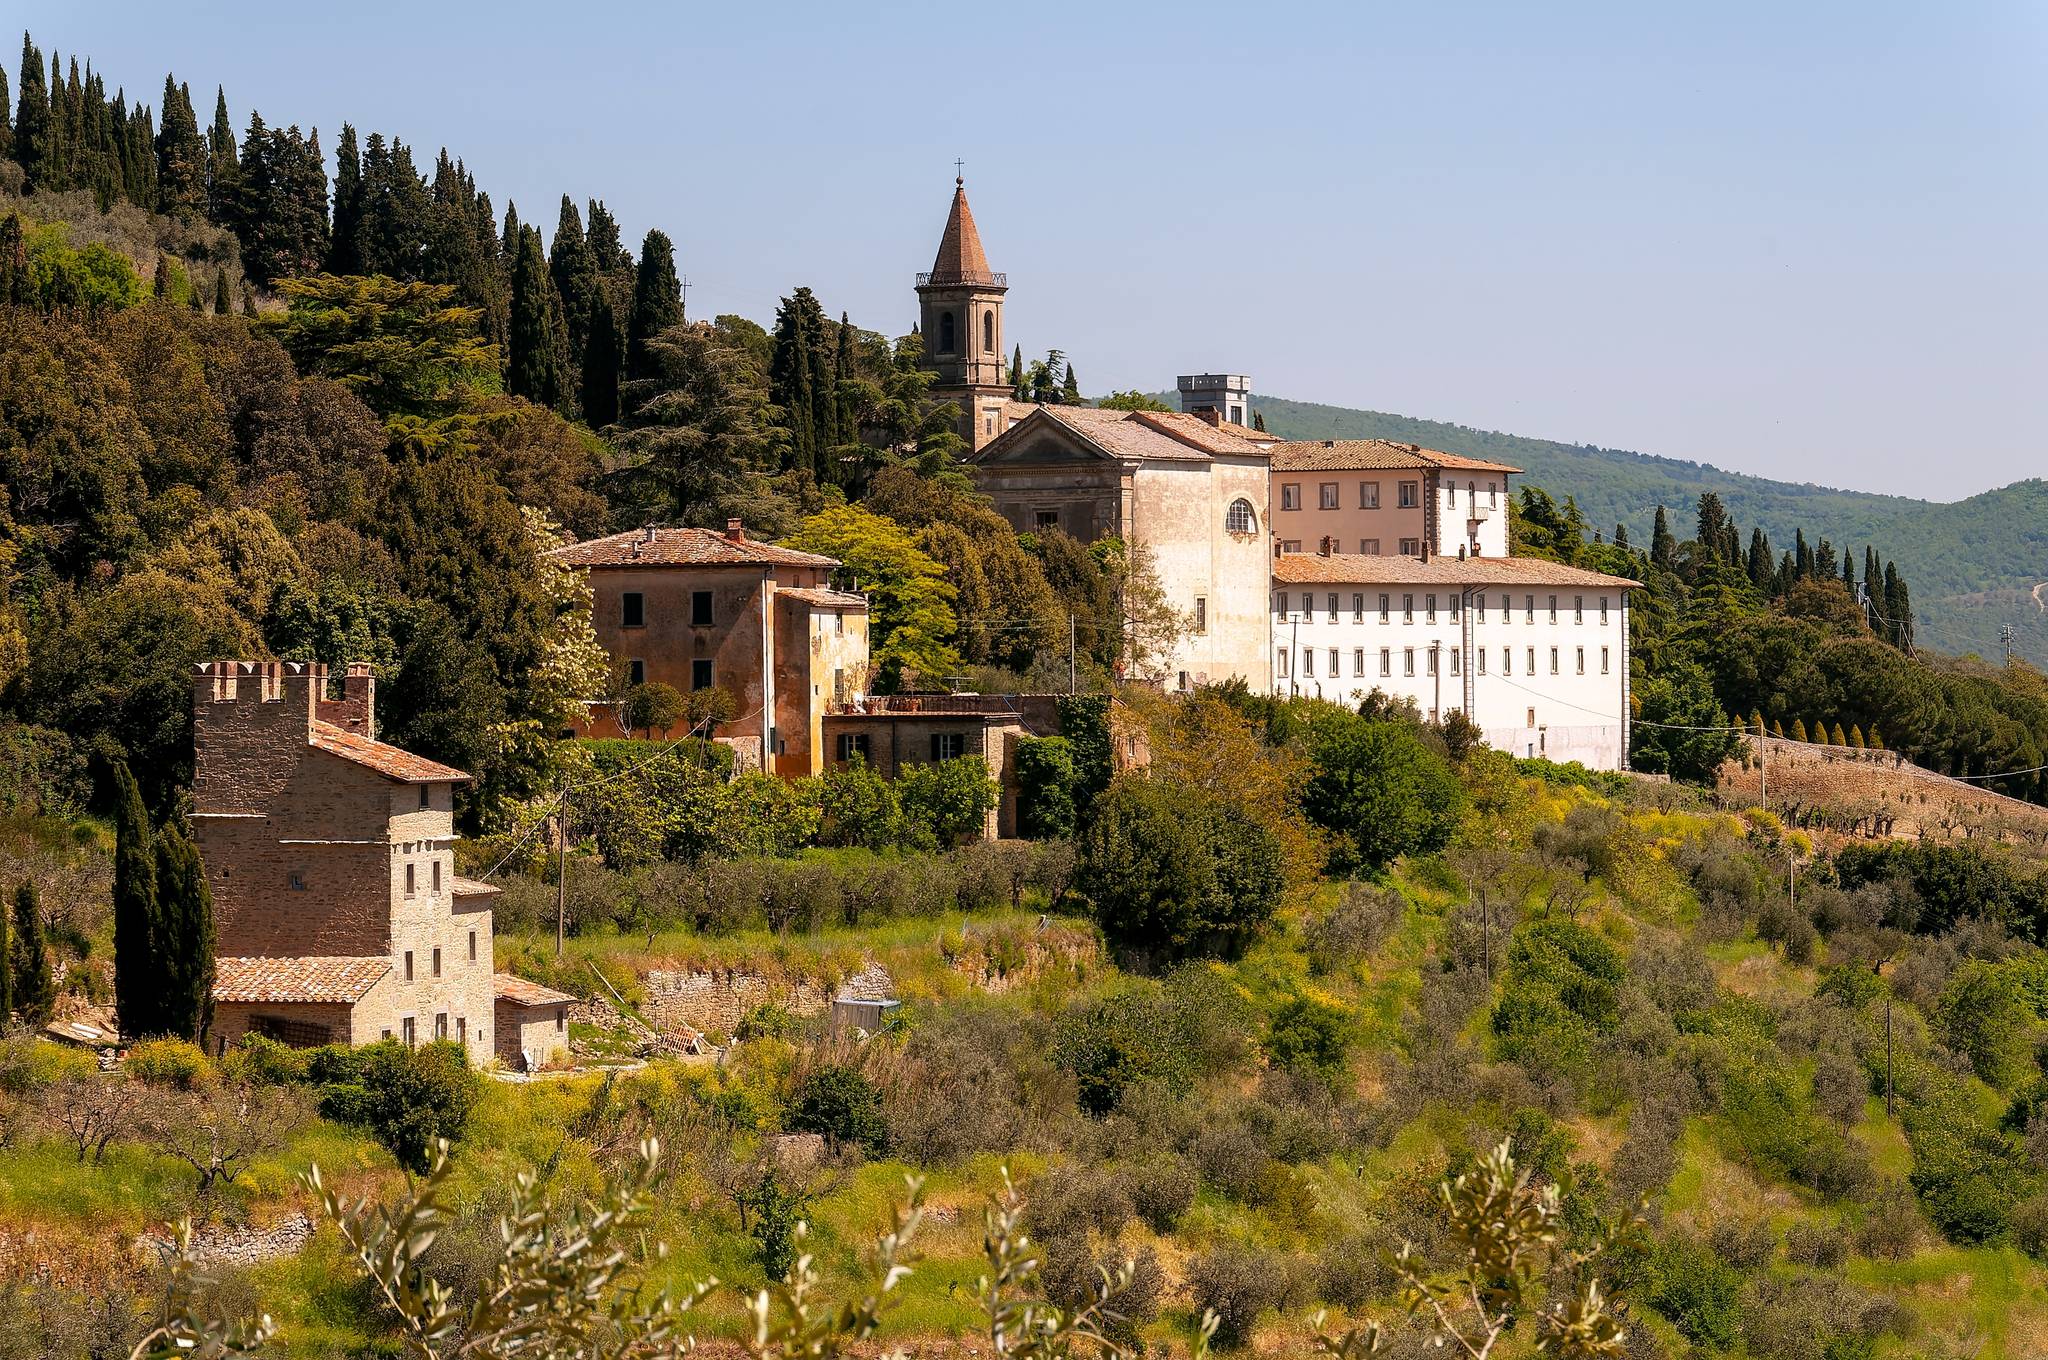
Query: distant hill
(1972, 565)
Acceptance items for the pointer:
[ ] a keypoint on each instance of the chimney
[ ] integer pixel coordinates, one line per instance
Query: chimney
(735, 530)
(356, 709)
(1323, 549)
(647, 533)
(1329, 443)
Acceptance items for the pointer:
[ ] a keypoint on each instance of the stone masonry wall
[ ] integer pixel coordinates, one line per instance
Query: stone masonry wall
(1874, 794)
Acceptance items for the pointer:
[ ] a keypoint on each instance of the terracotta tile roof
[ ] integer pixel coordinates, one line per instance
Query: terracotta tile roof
(521, 992)
(1347, 455)
(960, 258)
(654, 547)
(393, 762)
(1247, 433)
(331, 978)
(1353, 569)
(1147, 435)
(473, 887)
(829, 599)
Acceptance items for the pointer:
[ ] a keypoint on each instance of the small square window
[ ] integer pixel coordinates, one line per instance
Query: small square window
(1045, 519)
(851, 744)
(948, 745)
(632, 610)
(1290, 496)
(1368, 495)
(636, 672)
(1411, 547)
(700, 609)
(1369, 547)
(1326, 496)
(700, 674)
(426, 796)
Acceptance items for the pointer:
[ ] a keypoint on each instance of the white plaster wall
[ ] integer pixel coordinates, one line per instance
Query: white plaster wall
(1179, 510)
(1576, 715)
(1466, 498)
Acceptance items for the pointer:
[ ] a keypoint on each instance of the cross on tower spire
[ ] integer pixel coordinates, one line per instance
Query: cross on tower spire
(959, 177)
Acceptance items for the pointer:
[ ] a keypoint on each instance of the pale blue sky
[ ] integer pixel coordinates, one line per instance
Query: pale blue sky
(1808, 241)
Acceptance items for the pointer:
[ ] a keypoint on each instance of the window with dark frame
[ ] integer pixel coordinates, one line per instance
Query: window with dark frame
(700, 609)
(632, 610)
(700, 674)
(948, 745)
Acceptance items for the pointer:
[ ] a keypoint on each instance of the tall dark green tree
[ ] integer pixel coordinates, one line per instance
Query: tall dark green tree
(138, 975)
(657, 303)
(342, 254)
(223, 165)
(1663, 547)
(180, 154)
(603, 358)
(32, 119)
(1897, 608)
(392, 236)
(185, 938)
(1070, 388)
(574, 272)
(33, 984)
(6, 118)
(602, 235)
(532, 372)
(7, 954)
(1762, 566)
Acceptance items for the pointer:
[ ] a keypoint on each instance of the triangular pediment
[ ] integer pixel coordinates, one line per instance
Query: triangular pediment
(1039, 439)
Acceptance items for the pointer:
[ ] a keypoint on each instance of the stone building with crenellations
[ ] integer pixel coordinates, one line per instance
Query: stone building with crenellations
(331, 857)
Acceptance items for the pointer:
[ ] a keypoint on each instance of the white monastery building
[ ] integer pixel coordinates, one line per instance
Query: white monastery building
(1534, 652)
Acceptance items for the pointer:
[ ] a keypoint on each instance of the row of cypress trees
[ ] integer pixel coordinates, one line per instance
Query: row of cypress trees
(163, 923)
(28, 988)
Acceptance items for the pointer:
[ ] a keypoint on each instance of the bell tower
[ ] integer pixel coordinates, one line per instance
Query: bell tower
(960, 312)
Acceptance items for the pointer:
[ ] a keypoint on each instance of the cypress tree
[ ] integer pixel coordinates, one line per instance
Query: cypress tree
(1856, 737)
(192, 297)
(307, 187)
(531, 372)
(1762, 566)
(1620, 530)
(791, 388)
(1070, 390)
(33, 985)
(1898, 606)
(606, 249)
(186, 945)
(14, 275)
(1840, 738)
(137, 971)
(392, 236)
(1259, 424)
(180, 155)
(1802, 556)
(574, 272)
(1849, 572)
(160, 288)
(32, 119)
(603, 356)
(1663, 548)
(1798, 730)
(223, 165)
(1778, 727)
(1873, 578)
(508, 241)
(846, 420)
(1875, 741)
(1713, 520)
(6, 118)
(1756, 721)
(1017, 370)
(657, 302)
(221, 303)
(343, 256)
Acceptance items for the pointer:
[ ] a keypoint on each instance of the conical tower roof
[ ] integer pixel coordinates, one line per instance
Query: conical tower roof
(960, 258)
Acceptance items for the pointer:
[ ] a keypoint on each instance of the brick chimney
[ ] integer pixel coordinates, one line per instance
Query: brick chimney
(1324, 548)
(735, 530)
(356, 709)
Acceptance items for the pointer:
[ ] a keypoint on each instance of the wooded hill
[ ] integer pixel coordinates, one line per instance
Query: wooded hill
(1974, 563)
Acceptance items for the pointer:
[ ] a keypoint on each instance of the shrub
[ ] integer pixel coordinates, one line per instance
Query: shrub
(1353, 1271)
(1696, 1290)
(945, 802)
(1232, 1159)
(1816, 1245)
(268, 1062)
(2030, 1226)
(1983, 1016)
(169, 1062)
(860, 807)
(1237, 1284)
(1162, 1191)
(1046, 781)
(843, 1105)
(1379, 791)
(1560, 992)
(1364, 915)
(1308, 1035)
(1891, 1225)
(1120, 1041)
(1175, 873)
(405, 1097)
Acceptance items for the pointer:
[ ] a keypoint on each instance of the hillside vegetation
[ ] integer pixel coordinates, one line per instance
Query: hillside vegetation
(1974, 563)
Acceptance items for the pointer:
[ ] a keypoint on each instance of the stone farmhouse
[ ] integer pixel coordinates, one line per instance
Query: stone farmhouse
(339, 915)
(697, 609)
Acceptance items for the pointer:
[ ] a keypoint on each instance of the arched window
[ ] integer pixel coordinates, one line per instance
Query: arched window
(988, 331)
(945, 332)
(1241, 519)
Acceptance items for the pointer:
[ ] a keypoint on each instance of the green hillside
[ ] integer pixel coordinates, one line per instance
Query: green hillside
(1973, 564)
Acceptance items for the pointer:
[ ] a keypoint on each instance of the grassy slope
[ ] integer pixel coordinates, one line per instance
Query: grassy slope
(1985, 1302)
(1972, 564)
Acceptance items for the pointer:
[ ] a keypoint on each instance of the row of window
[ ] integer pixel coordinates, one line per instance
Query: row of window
(701, 673)
(633, 609)
(944, 746)
(988, 333)
(1283, 600)
(437, 958)
(1367, 547)
(1285, 656)
(1330, 495)
(412, 873)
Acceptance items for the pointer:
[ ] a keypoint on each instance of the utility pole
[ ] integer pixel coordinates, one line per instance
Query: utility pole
(2006, 634)
(1763, 766)
(1072, 686)
(561, 869)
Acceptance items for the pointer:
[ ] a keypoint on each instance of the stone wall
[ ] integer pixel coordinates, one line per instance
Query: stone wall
(1873, 794)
